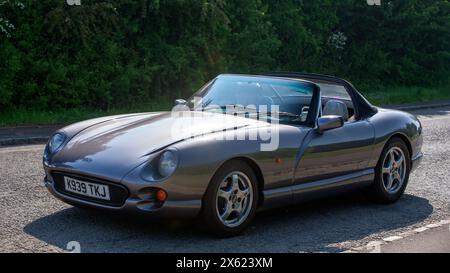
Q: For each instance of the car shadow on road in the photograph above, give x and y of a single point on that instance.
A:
(311, 227)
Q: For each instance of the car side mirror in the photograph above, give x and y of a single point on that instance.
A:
(180, 102)
(326, 123)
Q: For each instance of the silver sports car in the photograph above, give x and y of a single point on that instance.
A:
(240, 144)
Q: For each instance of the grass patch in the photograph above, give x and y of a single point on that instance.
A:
(402, 95)
(379, 96)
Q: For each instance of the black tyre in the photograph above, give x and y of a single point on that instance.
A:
(231, 199)
(392, 172)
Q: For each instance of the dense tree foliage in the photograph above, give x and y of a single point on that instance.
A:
(107, 53)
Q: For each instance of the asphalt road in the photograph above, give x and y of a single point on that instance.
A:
(33, 221)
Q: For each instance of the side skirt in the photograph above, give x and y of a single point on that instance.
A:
(317, 189)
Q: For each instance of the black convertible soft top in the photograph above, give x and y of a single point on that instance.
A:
(363, 108)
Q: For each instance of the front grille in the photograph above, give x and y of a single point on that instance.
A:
(118, 193)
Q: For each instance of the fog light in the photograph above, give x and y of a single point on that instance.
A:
(161, 195)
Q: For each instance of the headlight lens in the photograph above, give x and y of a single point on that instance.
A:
(168, 163)
(56, 142)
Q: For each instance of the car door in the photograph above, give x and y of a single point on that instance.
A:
(336, 157)
(336, 152)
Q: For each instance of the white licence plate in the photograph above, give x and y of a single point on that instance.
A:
(86, 188)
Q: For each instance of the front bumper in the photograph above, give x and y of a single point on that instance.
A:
(135, 203)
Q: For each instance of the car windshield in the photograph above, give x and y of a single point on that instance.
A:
(288, 99)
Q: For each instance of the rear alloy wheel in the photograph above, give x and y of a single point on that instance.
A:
(392, 172)
(231, 199)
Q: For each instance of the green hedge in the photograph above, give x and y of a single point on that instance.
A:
(107, 54)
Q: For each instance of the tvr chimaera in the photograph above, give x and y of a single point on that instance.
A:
(329, 139)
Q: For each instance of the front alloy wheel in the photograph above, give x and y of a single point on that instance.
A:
(234, 199)
(231, 199)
